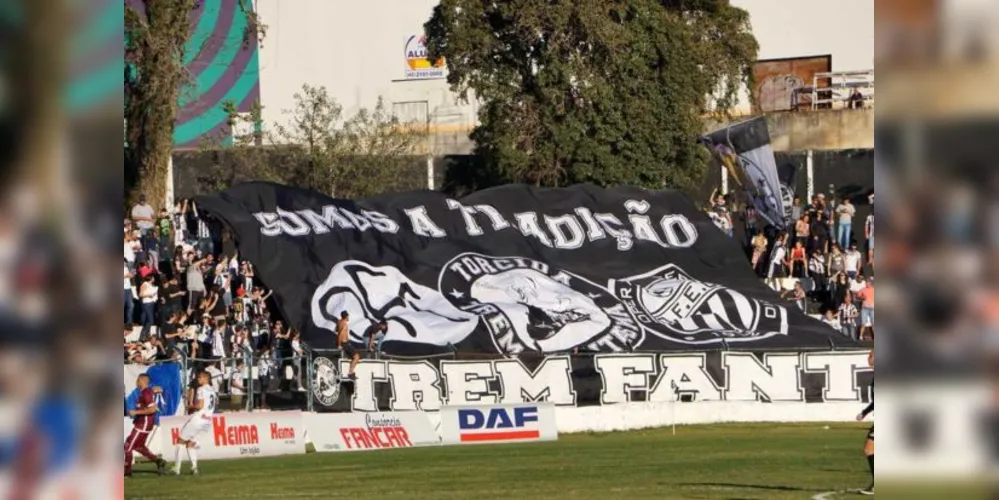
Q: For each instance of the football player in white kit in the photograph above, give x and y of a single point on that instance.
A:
(199, 422)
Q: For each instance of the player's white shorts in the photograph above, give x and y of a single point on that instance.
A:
(195, 426)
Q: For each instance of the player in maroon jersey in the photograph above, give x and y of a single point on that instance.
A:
(142, 425)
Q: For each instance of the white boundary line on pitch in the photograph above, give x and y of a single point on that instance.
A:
(826, 495)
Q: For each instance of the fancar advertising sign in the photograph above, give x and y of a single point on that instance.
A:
(370, 431)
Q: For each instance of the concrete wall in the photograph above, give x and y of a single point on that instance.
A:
(791, 131)
(817, 130)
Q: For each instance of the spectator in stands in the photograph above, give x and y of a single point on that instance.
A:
(866, 296)
(797, 210)
(759, 244)
(856, 100)
(817, 272)
(132, 247)
(819, 230)
(857, 283)
(797, 261)
(802, 229)
(142, 215)
(129, 295)
(247, 271)
(195, 281)
(869, 235)
(848, 316)
(148, 296)
(777, 267)
(851, 261)
(265, 370)
(831, 318)
(298, 354)
(844, 228)
(796, 295)
(171, 329)
(839, 290)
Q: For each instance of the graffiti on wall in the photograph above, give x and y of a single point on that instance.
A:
(221, 56)
(779, 83)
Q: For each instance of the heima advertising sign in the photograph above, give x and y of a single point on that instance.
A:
(507, 423)
(242, 434)
(370, 431)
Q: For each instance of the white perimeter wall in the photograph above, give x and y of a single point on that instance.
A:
(356, 50)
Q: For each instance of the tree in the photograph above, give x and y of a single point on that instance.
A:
(593, 91)
(156, 32)
(317, 147)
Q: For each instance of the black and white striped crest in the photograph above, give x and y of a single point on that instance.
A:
(674, 305)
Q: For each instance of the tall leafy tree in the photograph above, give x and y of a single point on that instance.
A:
(609, 92)
(317, 146)
(156, 34)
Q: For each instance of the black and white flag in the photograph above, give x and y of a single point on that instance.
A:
(744, 149)
(510, 270)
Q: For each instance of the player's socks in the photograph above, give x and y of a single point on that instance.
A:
(870, 463)
(193, 455)
(178, 460)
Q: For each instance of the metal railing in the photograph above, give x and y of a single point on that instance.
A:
(839, 87)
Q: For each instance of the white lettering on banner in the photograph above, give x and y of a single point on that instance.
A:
(239, 434)
(467, 213)
(330, 219)
(415, 385)
(367, 372)
(777, 378)
(291, 224)
(381, 222)
(840, 369)
(683, 377)
(528, 225)
(623, 237)
(594, 231)
(494, 216)
(422, 224)
(268, 223)
(468, 382)
(564, 231)
(370, 431)
(551, 381)
(567, 231)
(622, 375)
(623, 378)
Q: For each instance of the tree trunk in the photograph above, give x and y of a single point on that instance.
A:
(39, 64)
(150, 139)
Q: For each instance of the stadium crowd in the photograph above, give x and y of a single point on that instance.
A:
(823, 261)
(184, 297)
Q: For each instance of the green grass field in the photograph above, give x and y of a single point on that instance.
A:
(765, 461)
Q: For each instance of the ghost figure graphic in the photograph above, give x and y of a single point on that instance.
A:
(679, 307)
(414, 313)
(546, 314)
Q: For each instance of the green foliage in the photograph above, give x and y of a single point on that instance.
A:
(316, 147)
(599, 91)
(155, 38)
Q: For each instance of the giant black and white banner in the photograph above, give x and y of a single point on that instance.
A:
(511, 270)
(602, 379)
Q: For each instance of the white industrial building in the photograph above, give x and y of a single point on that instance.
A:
(363, 50)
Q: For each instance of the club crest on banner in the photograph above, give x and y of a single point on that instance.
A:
(326, 381)
(528, 305)
(674, 305)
